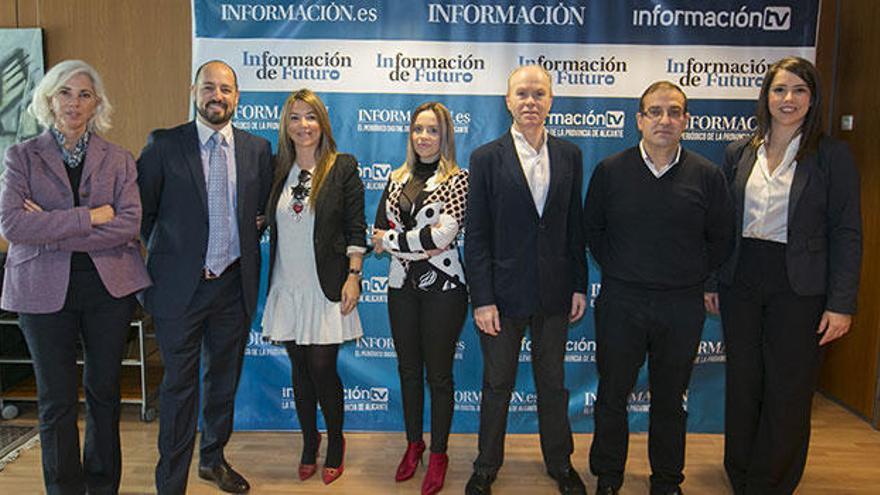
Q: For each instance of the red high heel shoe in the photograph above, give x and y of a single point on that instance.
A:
(306, 471)
(331, 474)
(411, 459)
(436, 475)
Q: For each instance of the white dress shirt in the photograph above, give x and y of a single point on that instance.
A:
(658, 171)
(535, 165)
(765, 210)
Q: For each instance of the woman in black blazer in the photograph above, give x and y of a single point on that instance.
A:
(317, 241)
(791, 283)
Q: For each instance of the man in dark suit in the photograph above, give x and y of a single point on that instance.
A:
(203, 186)
(526, 266)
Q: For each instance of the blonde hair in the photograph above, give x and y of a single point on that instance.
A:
(41, 104)
(325, 154)
(448, 166)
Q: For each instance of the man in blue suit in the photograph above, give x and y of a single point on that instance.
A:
(526, 266)
(203, 186)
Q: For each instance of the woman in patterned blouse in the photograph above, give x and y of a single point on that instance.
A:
(419, 218)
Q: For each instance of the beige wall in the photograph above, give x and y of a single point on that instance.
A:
(142, 49)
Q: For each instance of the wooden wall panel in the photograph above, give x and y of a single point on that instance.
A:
(826, 54)
(28, 13)
(8, 14)
(849, 373)
(142, 49)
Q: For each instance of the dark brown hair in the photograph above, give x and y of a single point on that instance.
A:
(811, 129)
(216, 61)
(657, 86)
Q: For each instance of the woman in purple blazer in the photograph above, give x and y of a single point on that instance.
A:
(70, 209)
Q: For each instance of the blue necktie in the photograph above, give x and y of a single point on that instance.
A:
(217, 257)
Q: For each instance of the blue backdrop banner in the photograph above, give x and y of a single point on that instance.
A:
(373, 61)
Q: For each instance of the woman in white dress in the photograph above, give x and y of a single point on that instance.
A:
(317, 239)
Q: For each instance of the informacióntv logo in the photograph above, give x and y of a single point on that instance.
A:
(580, 351)
(375, 176)
(366, 399)
(374, 289)
(587, 124)
(771, 18)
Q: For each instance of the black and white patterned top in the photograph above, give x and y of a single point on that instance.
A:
(435, 222)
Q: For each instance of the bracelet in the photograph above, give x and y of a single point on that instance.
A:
(357, 273)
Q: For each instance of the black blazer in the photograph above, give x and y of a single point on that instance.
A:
(824, 250)
(175, 219)
(515, 259)
(339, 223)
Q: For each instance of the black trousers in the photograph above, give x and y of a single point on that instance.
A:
(425, 327)
(500, 360)
(212, 333)
(772, 366)
(101, 322)
(665, 326)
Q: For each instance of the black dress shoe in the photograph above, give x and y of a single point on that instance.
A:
(225, 477)
(479, 484)
(606, 490)
(569, 482)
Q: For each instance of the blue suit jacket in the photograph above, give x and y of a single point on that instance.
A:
(519, 261)
(175, 218)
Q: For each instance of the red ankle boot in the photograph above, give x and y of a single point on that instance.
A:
(411, 459)
(436, 475)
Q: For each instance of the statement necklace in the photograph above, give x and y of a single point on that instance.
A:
(299, 194)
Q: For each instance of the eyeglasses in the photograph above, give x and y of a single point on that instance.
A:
(655, 113)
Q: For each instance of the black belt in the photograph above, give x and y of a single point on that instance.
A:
(209, 275)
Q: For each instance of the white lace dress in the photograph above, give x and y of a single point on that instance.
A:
(296, 307)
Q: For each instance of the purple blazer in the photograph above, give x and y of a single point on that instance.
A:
(41, 243)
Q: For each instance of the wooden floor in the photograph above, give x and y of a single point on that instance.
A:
(843, 460)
